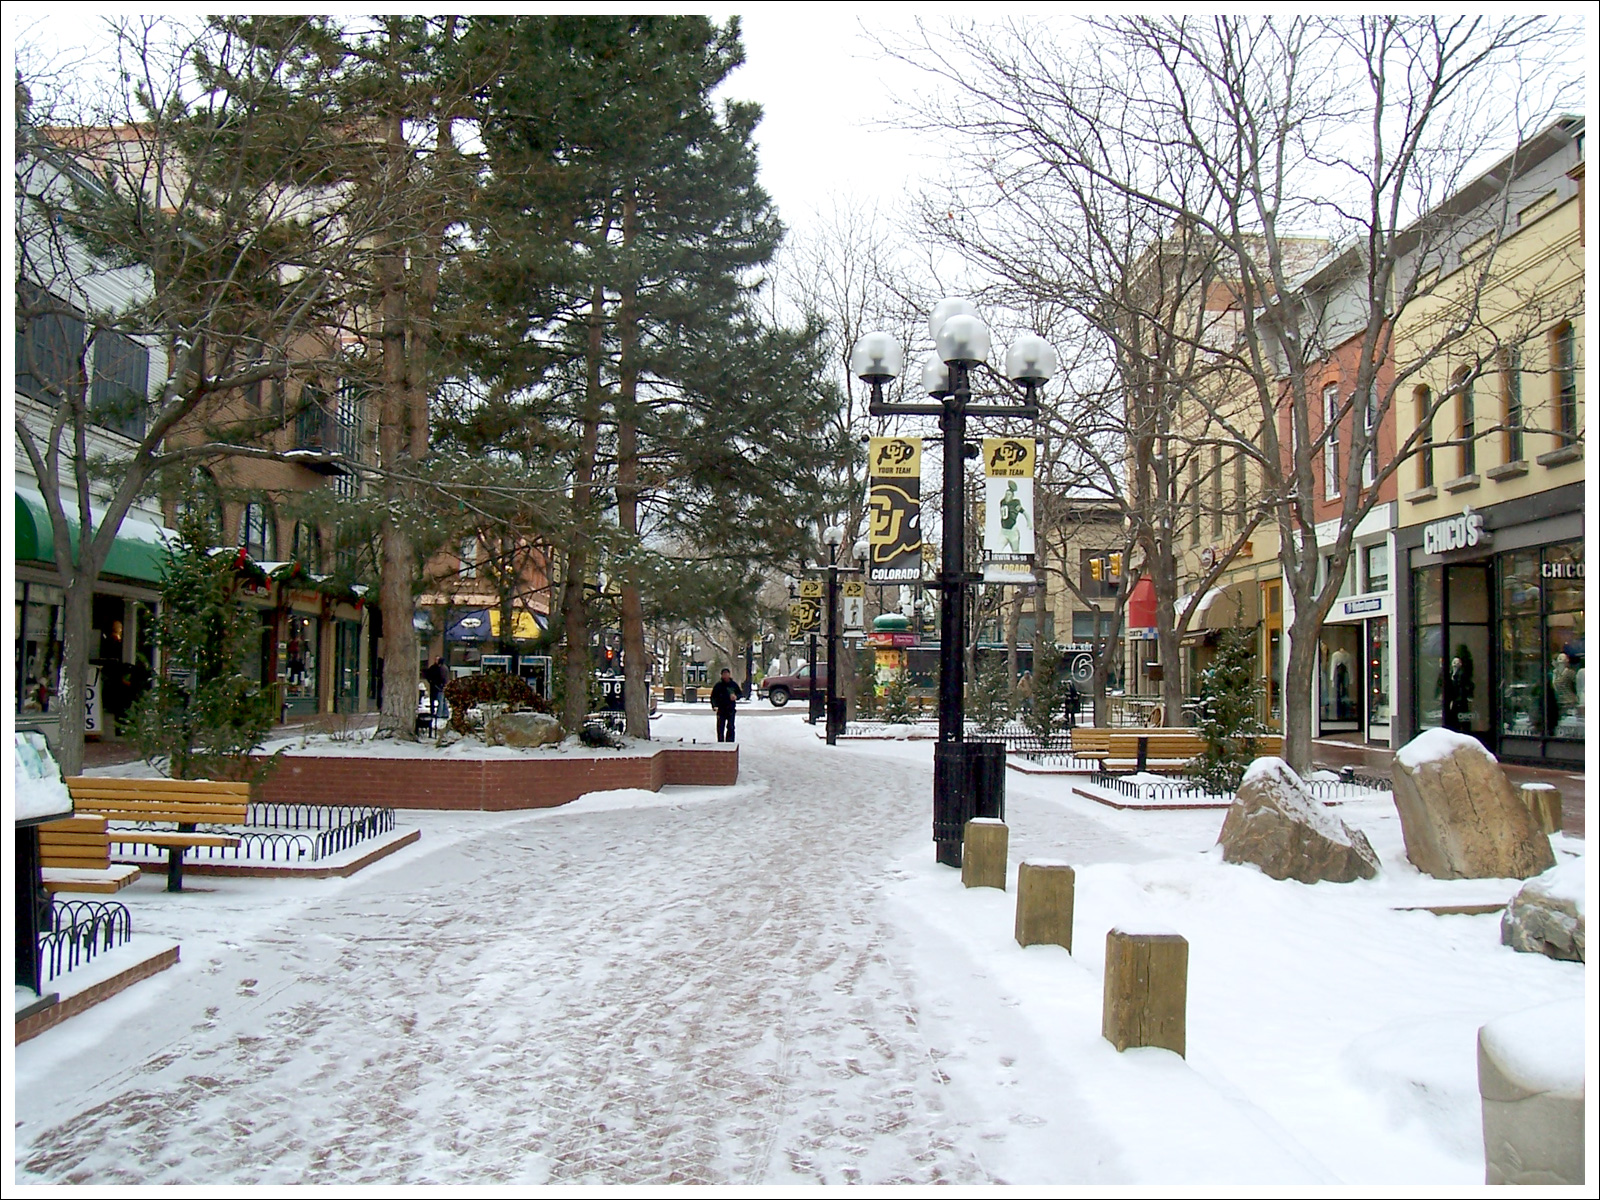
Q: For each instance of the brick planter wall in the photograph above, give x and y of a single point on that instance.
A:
(490, 784)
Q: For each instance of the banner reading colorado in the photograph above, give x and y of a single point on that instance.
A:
(894, 509)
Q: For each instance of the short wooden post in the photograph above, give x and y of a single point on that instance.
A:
(1544, 802)
(1146, 989)
(984, 843)
(1044, 903)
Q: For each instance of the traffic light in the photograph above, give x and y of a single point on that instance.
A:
(1097, 569)
(1116, 566)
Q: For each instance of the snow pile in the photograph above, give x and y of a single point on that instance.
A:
(1437, 745)
(1541, 1049)
(1562, 883)
(38, 789)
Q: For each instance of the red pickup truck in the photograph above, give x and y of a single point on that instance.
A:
(780, 689)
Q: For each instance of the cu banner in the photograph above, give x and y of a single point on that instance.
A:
(894, 509)
(805, 616)
(1008, 545)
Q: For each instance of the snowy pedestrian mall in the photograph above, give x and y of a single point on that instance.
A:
(775, 983)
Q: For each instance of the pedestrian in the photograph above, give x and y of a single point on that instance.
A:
(724, 697)
(1074, 703)
(437, 676)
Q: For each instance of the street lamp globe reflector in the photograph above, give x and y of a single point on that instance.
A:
(946, 309)
(935, 377)
(1030, 359)
(963, 339)
(877, 358)
(862, 550)
(833, 535)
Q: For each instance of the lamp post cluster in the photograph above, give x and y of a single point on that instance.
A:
(833, 709)
(968, 777)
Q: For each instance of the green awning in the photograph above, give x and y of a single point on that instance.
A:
(137, 552)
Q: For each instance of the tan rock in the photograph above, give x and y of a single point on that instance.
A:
(1459, 814)
(522, 730)
(1547, 915)
(1281, 828)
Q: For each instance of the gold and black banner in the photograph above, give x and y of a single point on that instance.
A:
(805, 617)
(894, 509)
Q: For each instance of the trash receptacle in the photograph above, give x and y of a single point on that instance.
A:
(836, 716)
(969, 780)
(691, 695)
(669, 694)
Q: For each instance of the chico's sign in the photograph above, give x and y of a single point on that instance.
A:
(1454, 533)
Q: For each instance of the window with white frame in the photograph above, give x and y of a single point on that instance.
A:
(1369, 461)
(1330, 445)
(469, 558)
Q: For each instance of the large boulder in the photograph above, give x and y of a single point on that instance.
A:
(522, 730)
(1277, 825)
(1546, 916)
(1458, 812)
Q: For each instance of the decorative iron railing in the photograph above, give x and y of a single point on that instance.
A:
(80, 929)
(277, 833)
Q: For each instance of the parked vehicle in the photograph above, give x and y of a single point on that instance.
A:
(780, 689)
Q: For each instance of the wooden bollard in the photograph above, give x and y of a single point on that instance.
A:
(1044, 903)
(1544, 802)
(984, 843)
(1146, 989)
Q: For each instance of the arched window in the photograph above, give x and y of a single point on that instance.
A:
(1423, 397)
(1467, 424)
(202, 500)
(308, 546)
(258, 531)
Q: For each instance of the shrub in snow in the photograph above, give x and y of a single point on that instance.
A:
(203, 716)
(1546, 916)
(1277, 825)
(1228, 696)
(897, 700)
(1459, 814)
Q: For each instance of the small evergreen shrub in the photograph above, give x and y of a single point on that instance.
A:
(1229, 695)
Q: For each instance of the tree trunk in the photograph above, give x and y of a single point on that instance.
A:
(634, 673)
(574, 601)
(77, 629)
(1013, 633)
(1299, 677)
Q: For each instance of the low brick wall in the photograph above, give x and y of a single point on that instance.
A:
(491, 784)
(32, 1026)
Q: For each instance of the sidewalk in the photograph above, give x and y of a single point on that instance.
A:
(1334, 753)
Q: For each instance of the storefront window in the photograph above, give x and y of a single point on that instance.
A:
(300, 660)
(1562, 576)
(38, 646)
(1378, 672)
(1522, 701)
(1341, 676)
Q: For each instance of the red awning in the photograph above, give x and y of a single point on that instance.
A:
(1142, 604)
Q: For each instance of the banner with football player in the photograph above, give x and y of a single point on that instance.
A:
(894, 509)
(1008, 542)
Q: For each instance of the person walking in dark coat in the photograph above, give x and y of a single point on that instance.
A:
(437, 676)
(724, 697)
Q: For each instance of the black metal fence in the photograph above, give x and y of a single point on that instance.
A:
(278, 833)
(80, 929)
(1180, 788)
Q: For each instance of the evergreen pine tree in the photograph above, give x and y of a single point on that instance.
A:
(203, 716)
(1049, 692)
(989, 699)
(1229, 694)
(896, 706)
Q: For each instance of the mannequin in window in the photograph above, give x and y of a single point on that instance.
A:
(1459, 715)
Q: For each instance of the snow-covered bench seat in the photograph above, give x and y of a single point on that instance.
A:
(75, 856)
(183, 803)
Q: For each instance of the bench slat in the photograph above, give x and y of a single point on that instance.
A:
(161, 787)
(160, 837)
(100, 881)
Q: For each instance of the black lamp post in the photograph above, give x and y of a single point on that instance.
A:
(834, 715)
(968, 778)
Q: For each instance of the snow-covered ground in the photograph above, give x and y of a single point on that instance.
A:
(775, 983)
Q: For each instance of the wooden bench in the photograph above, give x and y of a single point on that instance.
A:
(183, 803)
(1156, 750)
(75, 856)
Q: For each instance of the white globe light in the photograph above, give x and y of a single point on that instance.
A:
(1030, 359)
(946, 309)
(877, 358)
(833, 535)
(935, 376)
(963, 339)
